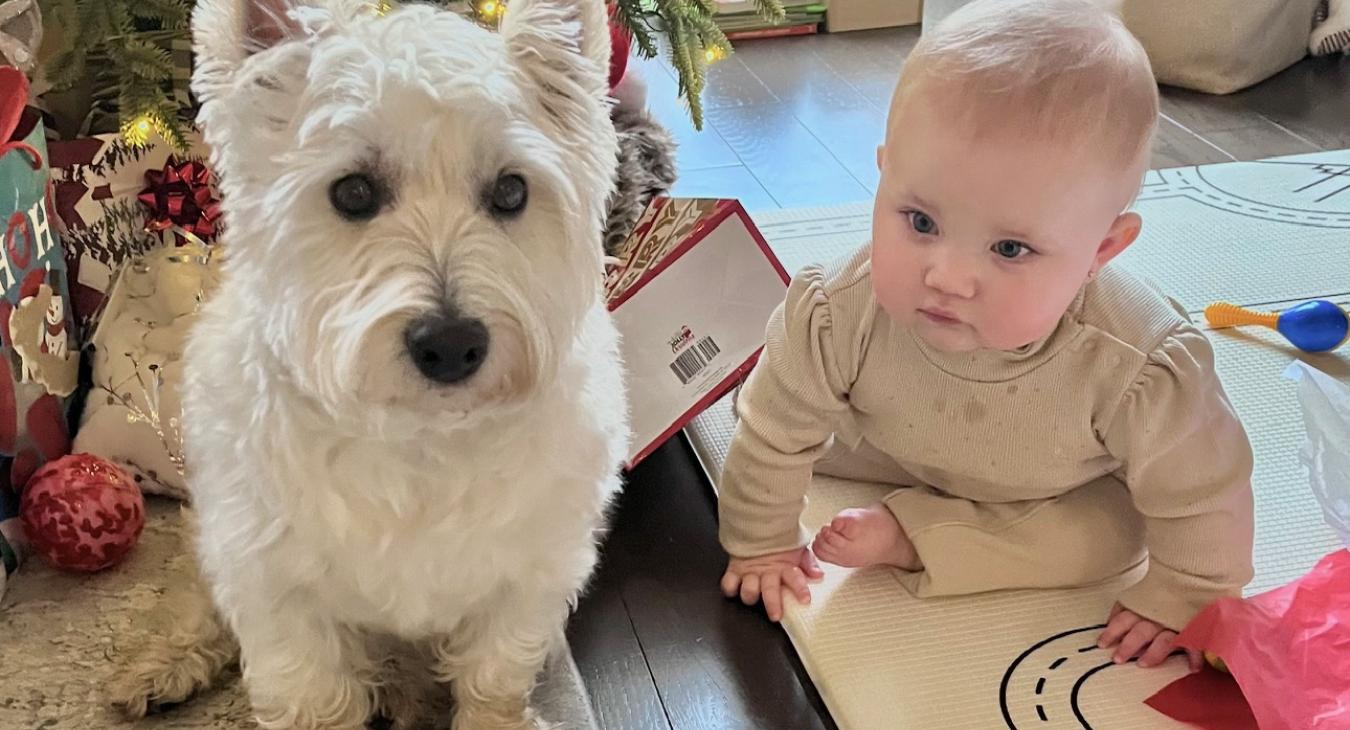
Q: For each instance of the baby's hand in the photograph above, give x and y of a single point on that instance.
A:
(1134, 632)
(768, 576)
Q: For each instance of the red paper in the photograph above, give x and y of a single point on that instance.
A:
(1209, 700)
(1288, 649)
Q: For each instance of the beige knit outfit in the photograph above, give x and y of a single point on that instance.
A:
(1051, 466)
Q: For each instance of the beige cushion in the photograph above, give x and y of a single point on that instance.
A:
(1220, 46)
(1215, 46)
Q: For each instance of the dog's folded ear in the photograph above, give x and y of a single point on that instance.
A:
(226, 32)
(561, 43)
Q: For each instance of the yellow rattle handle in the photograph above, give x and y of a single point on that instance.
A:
(1224, 314)
(1214, 661)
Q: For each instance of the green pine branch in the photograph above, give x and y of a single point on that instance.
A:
(687, 29)
(130, 40)
(121, 48)
(169, 14)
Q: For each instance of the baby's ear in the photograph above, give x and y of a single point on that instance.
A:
(557, 40)
(1124, 231)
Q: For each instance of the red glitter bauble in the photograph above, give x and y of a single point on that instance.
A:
(82, 513)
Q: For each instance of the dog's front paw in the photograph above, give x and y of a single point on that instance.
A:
(488, 716)
(400, 706)
(154, 681)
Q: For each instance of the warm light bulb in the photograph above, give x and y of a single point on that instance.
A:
(488, 8)
(137, 131)
(714, 54)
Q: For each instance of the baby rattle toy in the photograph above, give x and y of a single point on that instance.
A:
(1316, 326)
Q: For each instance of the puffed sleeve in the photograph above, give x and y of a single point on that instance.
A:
(787, 410)
(1188, 464)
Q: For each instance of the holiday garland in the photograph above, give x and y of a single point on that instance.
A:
(123, 49)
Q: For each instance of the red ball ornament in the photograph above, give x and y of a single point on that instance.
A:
(82, 513)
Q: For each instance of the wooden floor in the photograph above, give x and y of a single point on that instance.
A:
(791, 123)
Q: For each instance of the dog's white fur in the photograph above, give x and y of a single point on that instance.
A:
(341, 496)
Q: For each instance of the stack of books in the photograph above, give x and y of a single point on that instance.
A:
(740, 20)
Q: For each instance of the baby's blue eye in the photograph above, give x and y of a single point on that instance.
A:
(922, 223)
(1010, 249)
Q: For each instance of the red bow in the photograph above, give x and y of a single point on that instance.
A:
(181, 195)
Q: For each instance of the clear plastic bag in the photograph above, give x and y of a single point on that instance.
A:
(1326, 416)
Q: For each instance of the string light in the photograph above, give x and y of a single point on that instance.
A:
(489, 8)
(714, 54)
(137, 131)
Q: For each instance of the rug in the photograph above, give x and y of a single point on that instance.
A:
(1268, 234)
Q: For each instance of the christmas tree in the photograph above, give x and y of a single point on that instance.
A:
(121, 50)
(687, 28)
(119, 53)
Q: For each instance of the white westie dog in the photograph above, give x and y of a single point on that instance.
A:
(404, 413)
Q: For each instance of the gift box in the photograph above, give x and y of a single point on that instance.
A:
(691, 296)
(117, 200)
(39, 357)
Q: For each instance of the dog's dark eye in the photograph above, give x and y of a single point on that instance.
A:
(355, 197)
(509, 194)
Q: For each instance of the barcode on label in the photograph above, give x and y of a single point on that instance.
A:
(692, 361)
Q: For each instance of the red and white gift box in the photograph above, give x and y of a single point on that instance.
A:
(691, 299)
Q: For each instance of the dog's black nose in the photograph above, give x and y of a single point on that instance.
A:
(447, 348)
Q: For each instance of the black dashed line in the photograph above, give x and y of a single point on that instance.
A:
(1040, 685)
(1040, 711)
(1058, 662)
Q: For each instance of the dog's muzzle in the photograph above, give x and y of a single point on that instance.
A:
(447, 347)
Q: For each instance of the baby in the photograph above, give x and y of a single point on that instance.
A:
(1047, 420)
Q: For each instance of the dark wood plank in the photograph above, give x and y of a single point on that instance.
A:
(1202, 113)
(697, 149)
(610, 660)
(785, 157)
(869, 61)
(716, 663)
(731, 84)
(1310, 99)
(1177, 146)
(851, 133)
(788, 68)
(724, 182)
(843, 120)
(1262, 140)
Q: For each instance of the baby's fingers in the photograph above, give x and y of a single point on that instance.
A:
(1119, 625)
(750, 589)
(1159, 650)
(1139, 637)
(796, 580)
(1196, 658)
(771, 590)
(731, 583)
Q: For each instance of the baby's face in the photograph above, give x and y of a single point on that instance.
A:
(983, 242)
